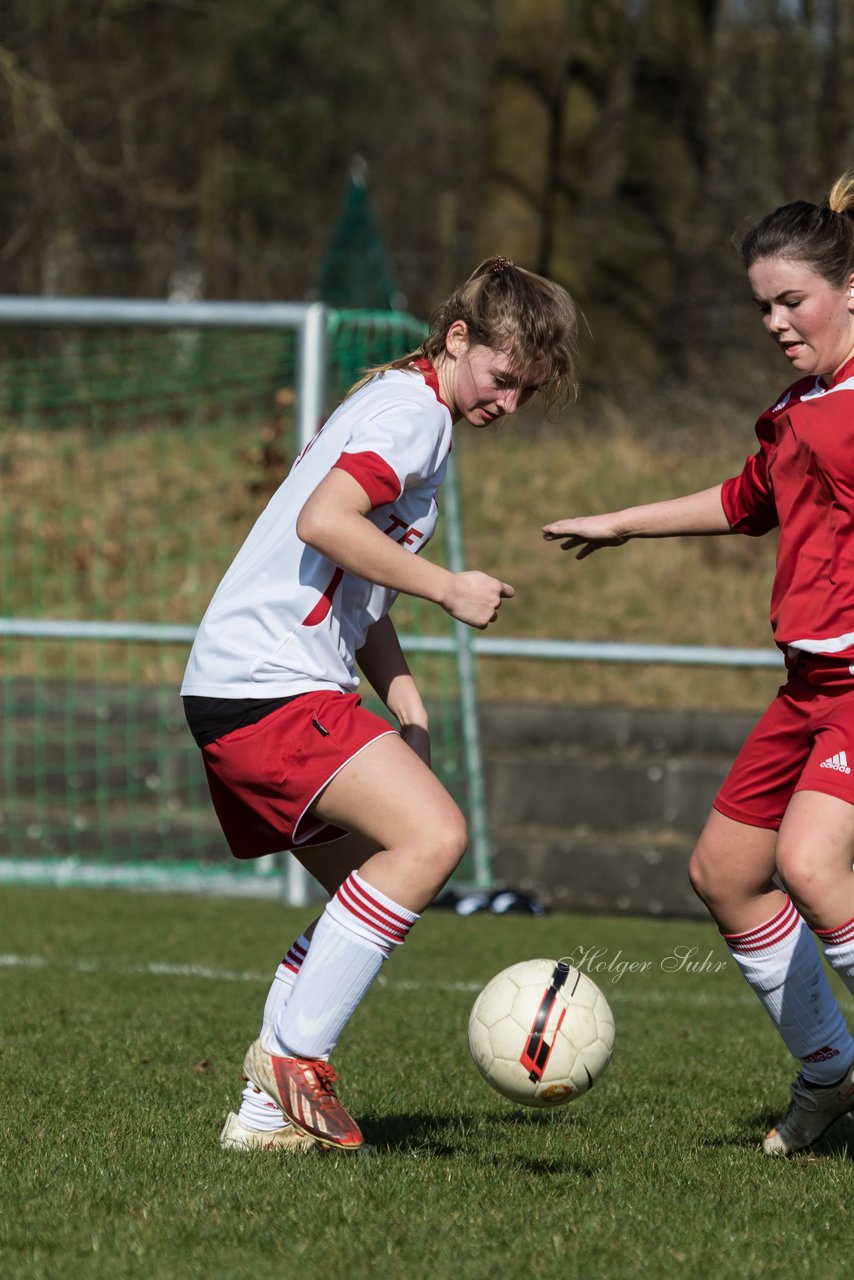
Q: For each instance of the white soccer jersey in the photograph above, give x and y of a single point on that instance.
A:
(285, 619)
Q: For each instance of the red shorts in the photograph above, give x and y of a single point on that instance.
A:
(264, 777)
(804, 742)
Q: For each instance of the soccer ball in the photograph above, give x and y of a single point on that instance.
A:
(541, 1033)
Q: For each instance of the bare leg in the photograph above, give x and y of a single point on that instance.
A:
(330, 864)
(732, 871)
(414, 836)
(815, 851)
(388, 796)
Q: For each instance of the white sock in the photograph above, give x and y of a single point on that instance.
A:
(257, 1109)
(356, 932)
(838, 946)
(781, 963)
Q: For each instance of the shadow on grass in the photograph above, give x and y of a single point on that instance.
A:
(428, 1133)
(404, 1132)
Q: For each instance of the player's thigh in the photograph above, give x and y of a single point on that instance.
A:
(816, 843)
(732, 860)
(387, 795)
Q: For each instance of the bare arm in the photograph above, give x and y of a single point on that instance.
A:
(696, 513)
(333, 522)
(383, 663)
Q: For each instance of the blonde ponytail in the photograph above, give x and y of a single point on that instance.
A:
(841, 195)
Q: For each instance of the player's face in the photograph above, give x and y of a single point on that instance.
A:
(479, 386)
(810, 319)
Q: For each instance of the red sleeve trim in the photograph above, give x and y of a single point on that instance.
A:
(373, 473)
(728, 497)
(747, 502)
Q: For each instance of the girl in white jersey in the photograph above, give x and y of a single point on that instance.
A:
(292, 758)
(786, 808)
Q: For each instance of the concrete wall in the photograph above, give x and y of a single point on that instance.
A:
(598, 809)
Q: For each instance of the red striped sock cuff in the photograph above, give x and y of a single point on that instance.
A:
(297, 953)
(386, 920)
(836, 937)
(768, 935)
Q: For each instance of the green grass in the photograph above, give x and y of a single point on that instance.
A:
(124, 1019)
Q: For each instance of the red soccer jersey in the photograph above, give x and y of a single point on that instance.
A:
(802, 479)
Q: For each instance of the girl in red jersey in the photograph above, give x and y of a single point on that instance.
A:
(292, 758)
(787, 805)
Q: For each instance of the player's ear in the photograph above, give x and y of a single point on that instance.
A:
(851, 292)
(457, 338)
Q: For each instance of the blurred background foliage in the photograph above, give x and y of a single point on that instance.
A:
(205, 148)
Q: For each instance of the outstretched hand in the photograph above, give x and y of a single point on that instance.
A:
(585, 533)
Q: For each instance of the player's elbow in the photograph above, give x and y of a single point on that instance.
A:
(314, 527)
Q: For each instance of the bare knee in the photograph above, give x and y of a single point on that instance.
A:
(415, 869)
(707, 867)
(806, 880)
(703, 875)
(731, 866)
(447, 844)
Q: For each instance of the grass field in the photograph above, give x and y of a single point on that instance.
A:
(124, 1019)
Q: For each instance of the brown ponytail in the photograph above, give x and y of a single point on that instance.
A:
(515, 311)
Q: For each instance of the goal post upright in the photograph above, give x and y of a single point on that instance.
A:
(57, 404)
(307, 319)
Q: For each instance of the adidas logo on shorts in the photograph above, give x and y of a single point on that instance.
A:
(838, 762)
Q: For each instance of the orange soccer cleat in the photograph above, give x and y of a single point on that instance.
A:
(305, 1090)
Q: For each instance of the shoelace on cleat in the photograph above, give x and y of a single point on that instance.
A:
(327, 1079)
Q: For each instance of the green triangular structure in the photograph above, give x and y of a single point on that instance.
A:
(356, 271)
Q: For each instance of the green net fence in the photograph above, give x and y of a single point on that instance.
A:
(132, 465)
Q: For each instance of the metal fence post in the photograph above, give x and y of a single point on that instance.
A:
(311, 406)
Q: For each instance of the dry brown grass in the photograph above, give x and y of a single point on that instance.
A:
(139, 524)
(690, 591)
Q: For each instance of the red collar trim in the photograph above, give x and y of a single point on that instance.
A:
(845, 371)
(431, 377)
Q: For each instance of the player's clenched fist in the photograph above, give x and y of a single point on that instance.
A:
(475, 598)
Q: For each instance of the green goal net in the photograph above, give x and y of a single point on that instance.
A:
(133, 462)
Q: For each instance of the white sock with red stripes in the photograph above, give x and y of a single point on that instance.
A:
(356, 932)
(838, 946)
(782, 964)
(257, 1109)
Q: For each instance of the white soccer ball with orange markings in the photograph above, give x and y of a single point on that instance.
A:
(541, 1033)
